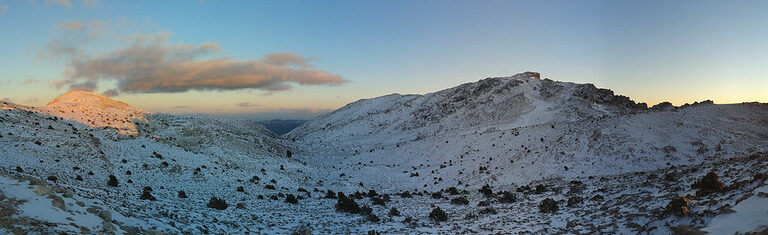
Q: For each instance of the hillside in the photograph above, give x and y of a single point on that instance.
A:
(515, 154)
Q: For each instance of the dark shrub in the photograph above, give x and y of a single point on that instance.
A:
(302, 190)
(394, 212)
(291, 199)
(487, 210)
(217, 203)
(146, 194)
(365, 209)
(373, 218)
(678, 206)
(671, 176)
(507, 197)
(348, 205)
(710, 183)
(597, 197)
(330, 194)
(486, 190)
(453, 191)
(78, 177)
(460, 201)
(548, 206)
(540, 189)
(240, 205)
(112, 182)
(240, 189)
(406, 194)
(288, 153)
(378, 201)
(254, 179)
(53, 178)
(574, 201)
(260, 197)
(372, 193)
(269, 186)
(438, 215)
(182, 194)
(437, 195)
(484, 203)
(18, 169)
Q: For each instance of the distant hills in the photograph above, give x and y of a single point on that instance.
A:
(280, 126)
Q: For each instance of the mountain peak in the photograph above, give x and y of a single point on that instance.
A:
(95, 110)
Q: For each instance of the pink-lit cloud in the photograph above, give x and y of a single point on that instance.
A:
(151, 63)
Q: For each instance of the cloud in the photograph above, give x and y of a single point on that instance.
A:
(90, 3)
(247, 104)
(71, 38)
(64, 3)
(3, 9)
(30, 81)
(182, 107)
(152, 64)
(6, 99)
(110, 93)
(84, 86)
(287, 59)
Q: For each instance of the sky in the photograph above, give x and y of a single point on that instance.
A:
(298, 59)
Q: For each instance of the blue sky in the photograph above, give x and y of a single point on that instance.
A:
(652, 51)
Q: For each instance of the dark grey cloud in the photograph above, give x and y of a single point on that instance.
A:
(182, 107)
(84, 86)
(110, 93)
(247, 104)
(152, 64)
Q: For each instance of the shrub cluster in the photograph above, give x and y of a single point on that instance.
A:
(217, 203)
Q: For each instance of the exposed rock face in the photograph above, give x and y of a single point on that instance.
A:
(605, 96)
(663, 106)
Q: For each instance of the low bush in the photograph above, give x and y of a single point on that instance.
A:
(548, 205)
(217, 203)
(460, 201)
(438, 215)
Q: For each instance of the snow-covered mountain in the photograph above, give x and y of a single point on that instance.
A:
(515, 154)
(522, 128)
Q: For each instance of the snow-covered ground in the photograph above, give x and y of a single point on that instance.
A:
(609, 164)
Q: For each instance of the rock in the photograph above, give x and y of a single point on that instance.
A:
(302, 229)
(43, 190)
(105, 215)
(679, 206)
(57, 201)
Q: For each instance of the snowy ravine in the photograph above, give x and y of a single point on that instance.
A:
(515, 154)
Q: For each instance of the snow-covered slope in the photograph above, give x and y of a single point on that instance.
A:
(517, 101)
(556, 157)
(518, 129)
(96, 111)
